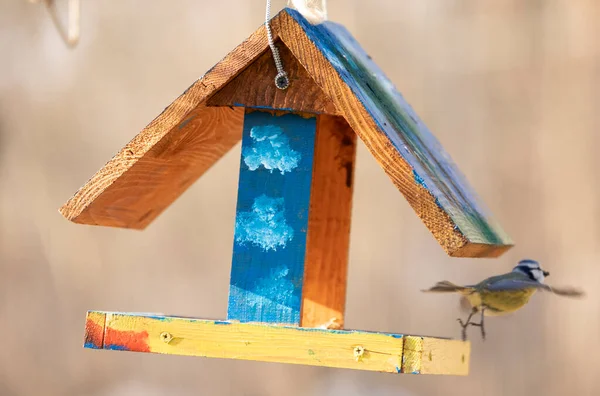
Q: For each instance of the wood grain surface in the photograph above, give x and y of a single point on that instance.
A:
(150, 181)
(326, 264)
(404, 147)
(112, 196)
(255, 87)
(350, 349)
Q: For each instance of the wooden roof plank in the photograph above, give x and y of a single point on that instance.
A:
(143, 179)
(396, 137)
(133, 197)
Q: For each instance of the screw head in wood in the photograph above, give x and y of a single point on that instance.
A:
(359, 351)
(166, 337)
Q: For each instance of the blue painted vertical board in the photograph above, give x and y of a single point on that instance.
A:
(272, 218)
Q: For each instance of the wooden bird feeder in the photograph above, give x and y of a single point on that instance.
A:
(290, 255)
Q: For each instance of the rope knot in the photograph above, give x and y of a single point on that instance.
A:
(315, 11)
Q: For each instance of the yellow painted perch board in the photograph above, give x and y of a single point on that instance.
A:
(392, 353)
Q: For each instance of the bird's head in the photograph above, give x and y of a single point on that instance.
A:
(532, 269)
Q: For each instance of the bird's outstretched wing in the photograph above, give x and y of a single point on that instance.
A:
(519, 284)
(567, 291)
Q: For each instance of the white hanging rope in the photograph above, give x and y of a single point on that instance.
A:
(70, 33)
(315, 11)
(281, 80)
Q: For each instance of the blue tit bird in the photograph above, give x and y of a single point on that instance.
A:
(502, 294)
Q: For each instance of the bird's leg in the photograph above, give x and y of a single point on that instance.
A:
(466, 324)
(481, 324)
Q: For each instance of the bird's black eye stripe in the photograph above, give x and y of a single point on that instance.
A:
(528, 272)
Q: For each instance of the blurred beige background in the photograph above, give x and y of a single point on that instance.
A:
(511, 88)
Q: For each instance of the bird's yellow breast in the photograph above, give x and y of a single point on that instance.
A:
(500, 302)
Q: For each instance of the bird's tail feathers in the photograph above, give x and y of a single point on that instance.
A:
(446, 287)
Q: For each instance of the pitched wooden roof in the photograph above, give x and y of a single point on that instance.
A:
(330, 73)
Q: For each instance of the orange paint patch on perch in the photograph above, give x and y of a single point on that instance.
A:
(134, 341)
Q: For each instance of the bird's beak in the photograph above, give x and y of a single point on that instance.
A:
(546, 273)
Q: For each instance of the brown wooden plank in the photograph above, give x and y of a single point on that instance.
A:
(122, 194)
(397, 168)
(155, 179)
(328, 239)
(255, 87)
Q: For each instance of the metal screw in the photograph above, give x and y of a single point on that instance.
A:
(359, 351)
(166, 337)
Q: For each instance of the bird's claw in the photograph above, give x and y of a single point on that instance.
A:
(465, 325)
